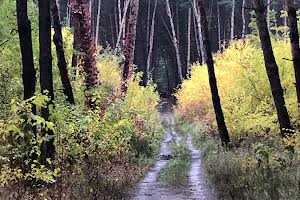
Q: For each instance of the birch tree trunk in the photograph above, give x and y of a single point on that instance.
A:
(148, 25)
(199, 27)
(196, 37)
(225, 139)
(272, 68)
(151, 41)
(98, 22)
(188, 60)
(61, 59)
(127, 66)
(174, 40)
(294, 38)
(232, 23)
(122, 24)
(219, 26)
(269, 14)
(244, 20)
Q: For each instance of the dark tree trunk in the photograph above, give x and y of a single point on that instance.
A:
(212, 78)
(85, 43)
(294, 37)
(272, 68)
(46, 76)
(61, 60)
(127, 66)
(24, 30)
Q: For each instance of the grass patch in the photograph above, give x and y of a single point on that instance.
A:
(248, 169)
(176, 172)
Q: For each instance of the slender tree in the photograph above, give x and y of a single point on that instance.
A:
(127, 66)
(46, 76)
(225, 139)
(244, 20)
(98, 22)
(151, 41)
(174, 41)
(61, 59)
(198, 14)
(28, 70)
(188, 59)
(272, 68)
(294, 37)
(85, 44)
(232, 22)
(122, 23)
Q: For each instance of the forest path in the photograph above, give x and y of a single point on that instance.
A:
(151, 188)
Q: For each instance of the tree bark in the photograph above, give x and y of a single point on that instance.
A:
(151, 41)
(28, 70)
(122, 24)
(188, 60)
(294, 38)
(98, 22)
(174, 40)
(199, 26)
(244, 20)
(225, 139)
(272, 68)
(232, 23)
(85, 43)
(61, 60)
(219, 26)
(46, 76)
(127, 66)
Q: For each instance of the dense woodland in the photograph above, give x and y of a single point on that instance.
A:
(149, 99)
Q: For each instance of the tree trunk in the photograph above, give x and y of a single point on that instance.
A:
(127, 66)
(219, 26)
(269, 14)
(244, 20)
(188, 59)
(294, 38)
(85, 44)
(232, 23)
(98, 22)
(148, 25)
(199, 26)
(225, 139)
(61, 60)
(174, 40)
(196, 37)
(28, 70)
(46, 76)
(151, 41)
(122, 24)
(272, 68)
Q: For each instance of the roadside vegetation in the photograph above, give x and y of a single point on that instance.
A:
(257, 163)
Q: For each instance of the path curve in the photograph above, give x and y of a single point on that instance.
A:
(150, 188)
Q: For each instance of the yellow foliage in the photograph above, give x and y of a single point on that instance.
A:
(243, 87)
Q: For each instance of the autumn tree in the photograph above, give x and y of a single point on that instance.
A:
(127, 66)
(85, 44)
(272, 68)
